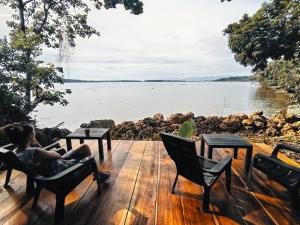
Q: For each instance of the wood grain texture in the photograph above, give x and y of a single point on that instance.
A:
(139, 192)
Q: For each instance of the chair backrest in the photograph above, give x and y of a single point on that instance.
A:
(12, 161)
(183, 152)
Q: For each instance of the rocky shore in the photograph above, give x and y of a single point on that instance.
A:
(255, 127)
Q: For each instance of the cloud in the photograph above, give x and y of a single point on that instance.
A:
(172, 38)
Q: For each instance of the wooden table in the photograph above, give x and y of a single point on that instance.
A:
(95, 133)
(227, 141)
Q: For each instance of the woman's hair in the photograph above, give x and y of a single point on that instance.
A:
(18, 133)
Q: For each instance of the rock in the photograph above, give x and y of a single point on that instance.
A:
(150, 122)
(99, 124)
(257, 113)
(47, 136)
(259, 125)
(144, 134)
(258, 118)
(296, 125)
(292, 118)
(189, 116)
(271, 132)
(177, 118)
(199, 119)
(158, 117)
(247, 122)
(231, 123)
(287, 128)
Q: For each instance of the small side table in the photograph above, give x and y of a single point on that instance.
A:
(227, 141)
(95, 133)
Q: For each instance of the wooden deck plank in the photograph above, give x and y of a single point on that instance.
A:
(86, 211)
(143, 203)
(139, 192)
(73, 198)
(21, 213)
(241, 202)
(116, 208)
(169, 206)
(263, 191)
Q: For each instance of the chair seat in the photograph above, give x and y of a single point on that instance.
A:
(206, 163)
(283, 175)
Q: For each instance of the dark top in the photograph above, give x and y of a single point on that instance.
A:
(44, 167)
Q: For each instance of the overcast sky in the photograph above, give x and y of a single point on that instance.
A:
(171, 39)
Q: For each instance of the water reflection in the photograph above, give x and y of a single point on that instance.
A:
(268, 99)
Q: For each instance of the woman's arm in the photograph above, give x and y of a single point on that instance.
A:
(42, 154)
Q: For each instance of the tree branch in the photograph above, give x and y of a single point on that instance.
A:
(21, 14)
(46, 11)
(26, 2)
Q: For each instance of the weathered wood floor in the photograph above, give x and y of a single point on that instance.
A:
(138, 192)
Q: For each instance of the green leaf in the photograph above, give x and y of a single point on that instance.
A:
(186, 129)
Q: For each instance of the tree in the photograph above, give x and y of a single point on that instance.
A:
(26, 81)
(273, 32)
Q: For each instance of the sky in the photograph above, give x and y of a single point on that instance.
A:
(172, 39)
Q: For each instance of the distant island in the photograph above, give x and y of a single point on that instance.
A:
(235, 79)
(204, 79)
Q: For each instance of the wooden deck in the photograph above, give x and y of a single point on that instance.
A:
(138, 192)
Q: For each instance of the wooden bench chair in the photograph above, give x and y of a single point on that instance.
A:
(278, 170)
(195, 168)
(60, 184)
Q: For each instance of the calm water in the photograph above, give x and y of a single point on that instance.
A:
(133, 101)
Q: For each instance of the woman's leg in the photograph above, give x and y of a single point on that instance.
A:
(79, 152)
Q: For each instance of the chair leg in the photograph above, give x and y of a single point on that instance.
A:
(249, 174)
(36, 195)
(95, 172)
(228, 178)
(205, 207)
(235, 153)
(7, 179)
(294, 198)
(29, 186)
(59, 208)
(175, 181)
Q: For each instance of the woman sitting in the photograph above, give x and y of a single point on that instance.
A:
(46, 163)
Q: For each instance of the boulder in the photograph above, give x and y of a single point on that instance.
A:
(257, 113)
(177, 118)
(99, 124)
(259, 125)
(247, 122)
(150, 122)
(158, 117)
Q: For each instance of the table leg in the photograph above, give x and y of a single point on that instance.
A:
(81, 140)
(69, 144)
(101, 154)
(248, 159)
(210, 152)
(108, 140)
(235, 153)
(202, 147)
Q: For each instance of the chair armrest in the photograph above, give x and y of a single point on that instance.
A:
(220, 167)
(9, 146)
(284, 146)
(276, 161)
(51, 146)
(67, 172)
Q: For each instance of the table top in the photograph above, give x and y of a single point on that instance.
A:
(225, 140)
(94, 133)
